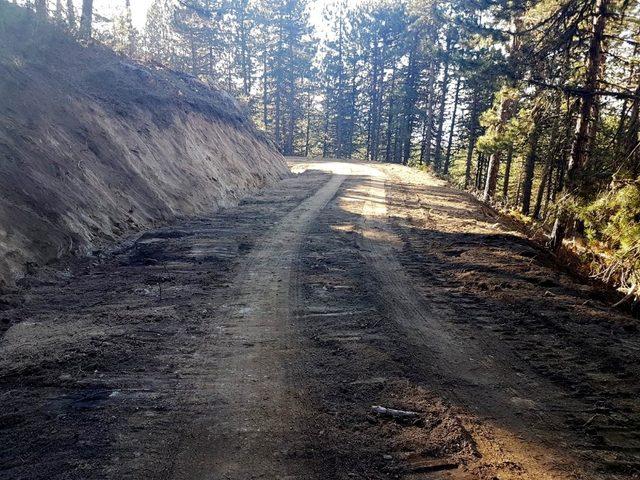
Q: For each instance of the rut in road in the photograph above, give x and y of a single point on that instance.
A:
(471, 371)
(247, 436)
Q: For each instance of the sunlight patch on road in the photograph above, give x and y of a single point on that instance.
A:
(335, 167)
(343, 228)
(379, 235)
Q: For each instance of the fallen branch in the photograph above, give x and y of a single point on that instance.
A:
(632, 293)
(433, 466)
(393, 413)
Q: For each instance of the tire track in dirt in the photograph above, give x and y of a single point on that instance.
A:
(469, 370)
(252, 423)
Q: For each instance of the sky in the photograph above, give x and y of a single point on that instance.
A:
(108, 8)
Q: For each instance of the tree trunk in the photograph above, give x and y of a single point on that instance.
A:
(194, 57)
(410, 100)
(480, 170)
(529, 167)
(307, 132)
(339, 123)
(473, 137)
(630, 139)
(325, 126)
(372, 90)
(86, 19)
(388, 152)
(375, 138)
(352, 114)
(277, 119)
(245, 58)
(506, 107)
(71, 15)
(492, 176)
(131, 36)
(422, 142)
(437, 163)
(507, 175)
(579, 153)
(278, 89)
(265, 93)
(427, 137)
(447, 160)
(41, 8)
(544, 179)
(545, 183)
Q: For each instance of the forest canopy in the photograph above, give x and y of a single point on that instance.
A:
(534, 105)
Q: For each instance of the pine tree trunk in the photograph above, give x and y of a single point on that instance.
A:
(325, 127)
(245, 58)
(529, 167)
(579, 152)
(473, 137)
(373, 95)
(388, 151)
(447, 160)
(131, 37)
(41, 8)
(507, 175)
(278, 89)
(410, 99)
(375, 137)
(427, 137)
(71, 15)
(480, 170)
(86, 19)
(193, 57)
(291, 123)
(422, 142)
(265, 92)
(437, 163)
(519, 189)
(631, 141)
(307, 133)
(544, 179)
(491, 184)
(339, 123)
(506, 106)
(278, 119)
(352, 114)
(492, 176)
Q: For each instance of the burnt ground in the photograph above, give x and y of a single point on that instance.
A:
(252, 343)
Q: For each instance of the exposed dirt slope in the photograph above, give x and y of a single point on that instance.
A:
(93, 145)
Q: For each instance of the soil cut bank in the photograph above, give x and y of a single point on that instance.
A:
(93, 146)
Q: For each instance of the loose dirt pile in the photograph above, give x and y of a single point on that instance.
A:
(93, 145)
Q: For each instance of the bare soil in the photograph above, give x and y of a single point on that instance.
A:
(252, 343)
(94, 146)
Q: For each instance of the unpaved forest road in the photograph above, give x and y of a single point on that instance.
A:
(252, 344)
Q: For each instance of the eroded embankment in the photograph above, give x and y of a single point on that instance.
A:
(93, 146)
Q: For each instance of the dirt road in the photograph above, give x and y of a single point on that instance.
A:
(252, 344)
